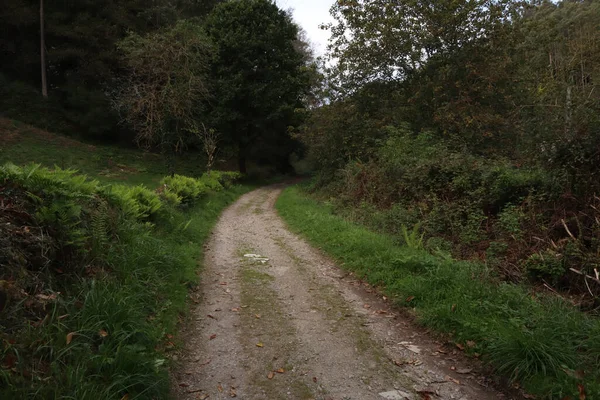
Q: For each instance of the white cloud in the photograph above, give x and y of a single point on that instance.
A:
(310, 14)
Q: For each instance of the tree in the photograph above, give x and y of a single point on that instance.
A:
(82, 61)
(210, 142)
(163, 94)
(383, 40)
(260, 79)
(43, 51)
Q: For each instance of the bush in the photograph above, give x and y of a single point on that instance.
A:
(225, 178)
(545, 265)
(212, 182)
(137, 201)
(184, 187)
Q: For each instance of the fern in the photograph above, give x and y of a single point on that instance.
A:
(413, 239)
(99, 227)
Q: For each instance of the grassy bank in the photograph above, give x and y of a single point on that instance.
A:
(22, 144)
(95, 279)
(537, 340)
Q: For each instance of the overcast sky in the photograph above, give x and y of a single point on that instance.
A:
(310, 14)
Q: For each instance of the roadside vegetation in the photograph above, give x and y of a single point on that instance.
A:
(466, 134)
(535, 339)
(95, 279)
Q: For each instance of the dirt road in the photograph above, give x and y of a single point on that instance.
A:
(278, 320)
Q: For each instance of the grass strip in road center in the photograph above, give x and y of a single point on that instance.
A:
(540, 341)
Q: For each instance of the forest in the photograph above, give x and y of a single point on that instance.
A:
(160, 74)
(469, 130)
(476, 123)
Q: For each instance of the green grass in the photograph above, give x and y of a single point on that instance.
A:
(123, 319)
(23, 144)
(542, 342)
(109, 331)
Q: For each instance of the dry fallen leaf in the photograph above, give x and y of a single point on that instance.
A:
(203, 396)
(236, 309)
(410, 298)
(314, 379)
(450, 379)
(271, 375)
(232, 392)
(366, 306)
(220, 388)
(211, 316)
(425, 394)
(280, 371)
(460, 346)
(257, 316)
(471, 343)
(453, 307)
(259, 345)
(103, 333)
(126, 397)
(464, 370)
(70, 337)
(212, 336)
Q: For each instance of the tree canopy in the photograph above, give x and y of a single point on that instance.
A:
(259, 76)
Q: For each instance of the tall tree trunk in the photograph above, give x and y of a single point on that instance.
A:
(569, 114)
(43, 51)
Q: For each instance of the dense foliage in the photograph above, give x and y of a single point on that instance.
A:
(260, 78)
(471, 128)
(119, 71)
(537, 340)
(92, 282)
(478, 121)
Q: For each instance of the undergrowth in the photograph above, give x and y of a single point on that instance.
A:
(526, 222)
(94, 281)
(537, 340)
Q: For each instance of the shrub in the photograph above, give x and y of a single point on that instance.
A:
(170, 198)
(226, 178)
(509, 220)
(56, 209)
(212, 182)
(545, 265)
(186, 188)
(137, 201)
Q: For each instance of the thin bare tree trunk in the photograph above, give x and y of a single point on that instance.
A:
(569, 114)
(43, 51)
